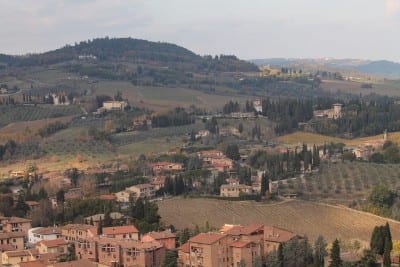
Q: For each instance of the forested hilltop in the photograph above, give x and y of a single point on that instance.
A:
(134, 51)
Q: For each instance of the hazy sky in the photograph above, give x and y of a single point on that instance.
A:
(368, 29)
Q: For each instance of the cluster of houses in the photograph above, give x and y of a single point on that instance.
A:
(233, 245)
(24, 246)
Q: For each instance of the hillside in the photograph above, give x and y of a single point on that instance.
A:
(112, 50)
(306, 218)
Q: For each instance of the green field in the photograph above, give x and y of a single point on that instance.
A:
(345, 181)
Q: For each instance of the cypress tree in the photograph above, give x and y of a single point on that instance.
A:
(336, 261)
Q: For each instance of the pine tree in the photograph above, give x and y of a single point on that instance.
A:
(100, 227)
(336, 261)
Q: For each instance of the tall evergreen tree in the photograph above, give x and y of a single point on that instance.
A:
(280, 256)
(336, 261)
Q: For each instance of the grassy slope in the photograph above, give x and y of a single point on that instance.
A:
(318, 139)
(306, 218)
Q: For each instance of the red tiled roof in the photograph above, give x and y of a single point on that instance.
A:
(278, 235)
(161, 235)
(118, 230)
(33, 264)
(20, 253)
(54, 243)
(207, 238)
(245, 230)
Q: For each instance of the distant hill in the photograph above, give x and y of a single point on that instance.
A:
(132, 51)
(382, 68)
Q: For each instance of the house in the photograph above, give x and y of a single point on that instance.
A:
(114, 105)
(158, 182)
(163, 166)
(121, 232)
(202, 134)
(142, 190)
(109, 197)
(206, 249)
(334, 113)
(125, 196)
(43, 233)
(13, 258)
(74, 232)
(115, 217)
(257, 104)
(244, 251)
(14, 224)
(361, 152)
(235, 190)
(167, 238)
(273, 236)
(124, 252)
(52, 246)
(15, 239)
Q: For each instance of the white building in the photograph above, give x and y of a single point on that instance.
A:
(257, 104)
(115, 105)
(43, 233)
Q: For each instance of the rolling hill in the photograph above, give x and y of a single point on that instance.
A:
(305, 218)
(119, 50)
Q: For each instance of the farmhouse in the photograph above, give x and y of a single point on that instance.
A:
(234, 190)
(43, 233)
(142, 190)
(159, 167)
(334, 113)
(114, 105)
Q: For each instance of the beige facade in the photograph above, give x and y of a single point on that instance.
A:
(74, 232)
(15, 239)
(13, 258)
(143, 190)
(115, 105)
(234, 190)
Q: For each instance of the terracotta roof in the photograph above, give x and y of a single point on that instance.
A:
(75, 226)
(53, 243)
(185, 248)
(47, 231)
(77, 263)
(207, 238)
(240, 244)
(118, 230)
(275, 234)
(20, 253)
(161, 235)
(245, 230)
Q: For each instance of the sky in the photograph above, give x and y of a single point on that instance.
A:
(365, 29)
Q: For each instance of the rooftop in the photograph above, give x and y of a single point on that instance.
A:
(275, 234)
(53, 243)
(207, 238)
(118, 230)
(161, 235)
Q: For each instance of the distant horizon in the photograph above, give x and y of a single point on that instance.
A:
(246, 59)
